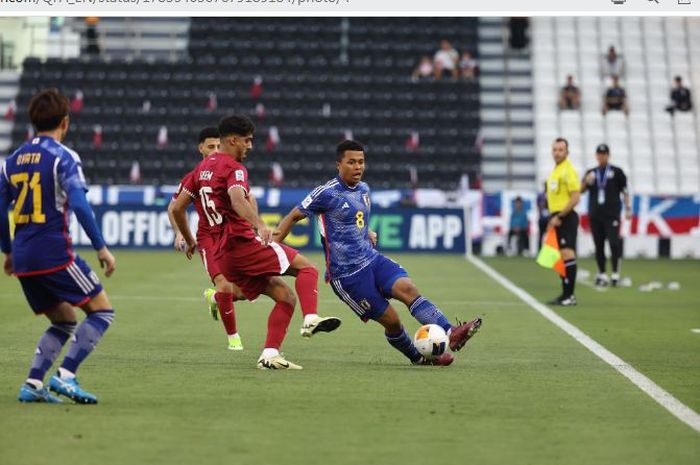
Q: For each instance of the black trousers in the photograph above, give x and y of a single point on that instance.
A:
(606, 228)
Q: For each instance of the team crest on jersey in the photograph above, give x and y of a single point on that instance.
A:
(240, 176)
(365, 197)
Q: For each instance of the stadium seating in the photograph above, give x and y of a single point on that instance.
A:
(508, 158)
(659, 152)
(321, 77)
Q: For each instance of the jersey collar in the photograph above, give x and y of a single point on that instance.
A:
(342, 183)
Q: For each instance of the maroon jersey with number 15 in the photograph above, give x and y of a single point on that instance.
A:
(209, 185)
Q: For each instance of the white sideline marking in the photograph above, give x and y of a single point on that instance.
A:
(681, 411)
(696, 330)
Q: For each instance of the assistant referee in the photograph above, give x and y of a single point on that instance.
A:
(563, 194)
(606, 184)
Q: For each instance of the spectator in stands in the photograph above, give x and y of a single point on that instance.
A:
(93, 46)
(613, 64)
(680, 96)
(424, 71)
(468, 66)
(445, 60)
(518, 35)
(570, 95)
(519, 226)
(615, 97)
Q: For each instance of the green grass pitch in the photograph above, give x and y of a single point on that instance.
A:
(522, 392)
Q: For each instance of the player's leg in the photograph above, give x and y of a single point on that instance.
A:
(306, 285)
(99, 316)
(224, 295)
(83, 288)
(612, 232)
(277, 324)
(392, 279)
(360, 293)
(399, 339)
(598, 232)
(63, 322)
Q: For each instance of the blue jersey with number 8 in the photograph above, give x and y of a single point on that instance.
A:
(36, 179)
(343, 219)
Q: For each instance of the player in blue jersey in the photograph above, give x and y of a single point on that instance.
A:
(43, 182)
(360, 276)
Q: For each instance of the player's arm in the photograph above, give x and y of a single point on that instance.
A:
(5, 242)
(287, 223)
(243, 208)
(254, 203)
(179, 211)
(179, 238)
(372, 237)
(79, 204)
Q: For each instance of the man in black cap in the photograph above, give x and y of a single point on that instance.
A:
(605, 184)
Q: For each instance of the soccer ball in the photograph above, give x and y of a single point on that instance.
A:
(431, 341)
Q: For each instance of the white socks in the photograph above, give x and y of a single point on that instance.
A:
(269, 353)
(65, 374)
(308, 319)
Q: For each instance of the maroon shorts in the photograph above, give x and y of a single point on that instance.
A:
(210, 254)
(249, 264)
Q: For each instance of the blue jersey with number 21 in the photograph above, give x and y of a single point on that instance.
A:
(37, 178)
(343, 216)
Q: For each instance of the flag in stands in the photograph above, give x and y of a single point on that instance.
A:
(135, 173)
(260, 111)
(273, 139)
(550, 256)
(276, 174)
(11, 110)
(162, 137)
(212, 103)
(76, 104)
(97, 136)
(413, 142)
(256, 89)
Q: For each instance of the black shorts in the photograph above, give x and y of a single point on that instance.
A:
(605, 227)
(567, 232)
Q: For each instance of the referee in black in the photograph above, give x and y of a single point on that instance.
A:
(605, 185)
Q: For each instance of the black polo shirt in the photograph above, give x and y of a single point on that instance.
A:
(612, 181)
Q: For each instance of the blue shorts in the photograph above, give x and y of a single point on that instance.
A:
(366, 292)
(76, 284)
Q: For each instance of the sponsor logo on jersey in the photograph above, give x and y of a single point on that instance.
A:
(307, 201)
(345, 205)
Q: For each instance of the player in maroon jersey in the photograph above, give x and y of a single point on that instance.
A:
(207, 237)
(247, 256)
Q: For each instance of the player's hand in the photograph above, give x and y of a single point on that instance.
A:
(265, 235)
(590, 178)
(107, 261)
(7, 266)
(372, 238)
(180, 243)
(554, 222)
(190, 249)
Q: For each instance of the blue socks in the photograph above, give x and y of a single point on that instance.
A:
(402, 342)
(86, 338)
(48, 348)
(427, 313)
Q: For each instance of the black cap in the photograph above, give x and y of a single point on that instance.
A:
(602, 148)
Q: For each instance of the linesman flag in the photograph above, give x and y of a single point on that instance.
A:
(550, 256)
